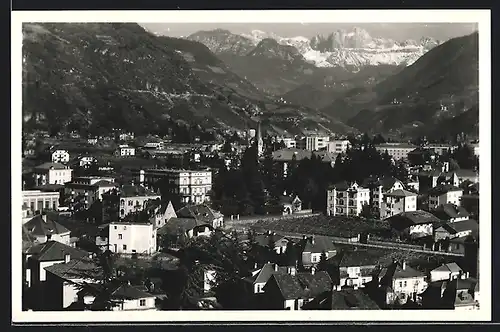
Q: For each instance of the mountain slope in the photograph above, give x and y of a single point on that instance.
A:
(441, 84)
(97, 77)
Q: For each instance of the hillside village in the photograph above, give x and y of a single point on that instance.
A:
(248, 220)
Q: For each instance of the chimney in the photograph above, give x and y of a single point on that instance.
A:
(44, 217)
(255, 266)
(404, 265)
(292, 271)
(312, 239)
(67, 258)
(313, 270)
(276, 267)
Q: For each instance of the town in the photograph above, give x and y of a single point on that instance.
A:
(205, 219)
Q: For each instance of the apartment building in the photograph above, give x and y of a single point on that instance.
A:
(37, 200)
(347, 199)
(397, 151)
(314, 143)
(125, 151)
(133, 198)
(128, 238)
(444, 194)
(192, 186)
(338, 146)
(60, 156)
(397, 201)
(52, 173)
(83, 191)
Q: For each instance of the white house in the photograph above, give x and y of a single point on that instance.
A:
(405, 283)
(346, 199)
(84, 191)
(415, 224)
(60, 156)
(398, 201)
(125, 150)
(135, 198)
(396, 150)
(52, 173)
(128, 238)
(44, 228)
(338, 146)
(314, 143)
(125, 296)
(450, 271)
(356, 268)
(381, 187)
(444, 194)
(162, 212)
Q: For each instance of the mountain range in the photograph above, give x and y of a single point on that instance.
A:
(117, 75)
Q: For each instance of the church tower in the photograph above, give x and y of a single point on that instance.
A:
(260, 142)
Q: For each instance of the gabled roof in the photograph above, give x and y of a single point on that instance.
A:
(263, 239)
(387, 182)
(136, 190)
(400, 193)
(463, 225)
(128, 292)
(266, 272)
(201, 212)
(179, 226)
(450, 211)
(302, 285)
(47, 166)
(443, 189)
(360, 257)
(450, 267)
(321, 243)
(54, 251)
(406, 219)
(343, 185)
(105, 183)
(79, 268)
(287, 154)
(408, 272)
(352, 299)
(38, 227)
(466, 173)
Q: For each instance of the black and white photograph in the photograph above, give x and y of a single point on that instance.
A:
(266, 165)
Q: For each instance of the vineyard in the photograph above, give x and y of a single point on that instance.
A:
(346, 227)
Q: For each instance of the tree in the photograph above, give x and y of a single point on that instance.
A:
(322, 262)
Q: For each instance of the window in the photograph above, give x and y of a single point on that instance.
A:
(122, 202)
(130, 203)
(115, 226)
(405, 283)
(400, 284)
(124, 247)
(124, 227)
(142, 302)
(120, 237)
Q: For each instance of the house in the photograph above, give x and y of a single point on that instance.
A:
(314, 143)
(456, 294)
(189, 227)
(126, 136)
(288, 141)
(203, 214)
(60, 156)
(37, 200)
(427, 180)
(467, 175)
(134, 198)
(128, 238)
(290, 204)
(85, 161)
(402, 283)
(43, 228)
(124, 296)
(380, 187)
(440, 148)
(82, 192)
(414, 224)
(457, 229)
(191, 186)
(346, 199)
(292, 291)
(161, 212)
(158, 145)
(259, 277)
(356, 267)
(313, 247)
(421, 156)
(444, 194)
(451, 213)
(396, 150)
(345, 299)
(125, 150)
(338, 146)
(278, 242)
(397, 201)
(42, 255)
(450, 271)
(51, 173)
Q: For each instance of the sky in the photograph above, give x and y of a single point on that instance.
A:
(396, 31)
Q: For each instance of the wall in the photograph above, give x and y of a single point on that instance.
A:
(421, 229)
(134, 204)
(138, 237)
(440, 275)
(59, 176)
(135, 305)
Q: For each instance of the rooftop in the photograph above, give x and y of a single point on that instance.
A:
(49, 166)
(289, 153)
(443, 189)
(396, 145)
(179, 226)
(200, 212)
(302, 285)
(450, 267)
(407, 219)
(136, 191)
(450, 211)
(464, 225)
(55, 251)
(401, 193)
(43, 226)
(79, 268)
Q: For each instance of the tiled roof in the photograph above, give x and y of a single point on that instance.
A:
(178, 226)
(449, 211)
(201, 212)
(47, 166)
(38, 227)
(342, 186)
(466, 173)
(396, 145)
(79, 268)
(387, 182)
(361, 257)
(133, 191)
(450, 267)
(266, 272)
(464, 225)
(352, 299)
(55, 251)
(303, 285)
(263, 239)
(466, 284)
(128, 292)
(443, 189)
(287, 154)
(407, 219)
(105, 183)
(408, 272)
(321, 243)
(401, 193)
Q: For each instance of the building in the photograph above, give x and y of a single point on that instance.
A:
(52, 173)
(414, 224)
(397, 151)
(475, 148)
(313, 247)
(125, 150)
(190, 186)
(338, 146)
(451, 213)
(292, 291)
(450, 271)
(128, 238)
(260, 276)
(134, 198)
(85, 161)
(161, 212)
(44, 228)
(397, 201)
(154, 145)
(403, 283)
(346, 199)
(203, 214)
(457, 229)
(345, 299)
(380, 187)
(37, 200)
(440, 148)
(259, 141)
(291, 204)
(444, 194)
(356, 268)
(467, 175)
(290, 142)
(82, 192)
(314, 143)
(60, 156)
(278, 242)
(177, 230)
